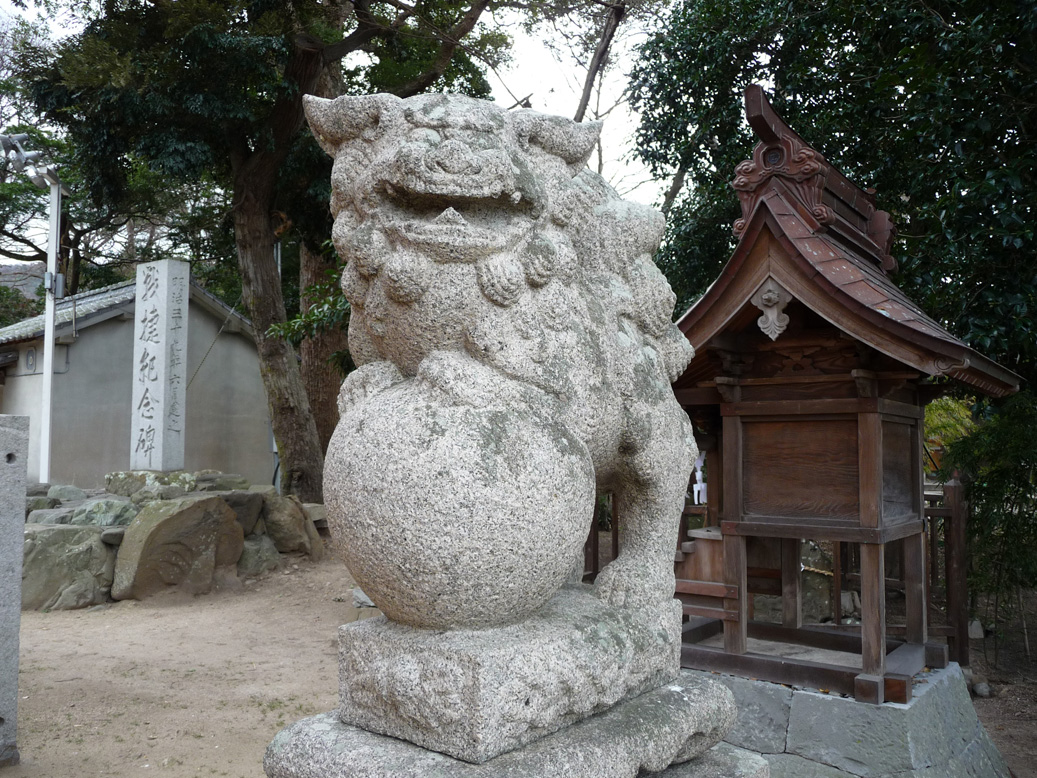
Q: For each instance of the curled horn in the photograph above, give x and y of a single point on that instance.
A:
(345, 118)
(571, 141)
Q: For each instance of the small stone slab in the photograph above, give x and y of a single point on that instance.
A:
(474, 694)
(681, 720)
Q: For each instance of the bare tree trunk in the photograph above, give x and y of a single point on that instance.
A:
(302, 464)
(255, 178)
(319, 376)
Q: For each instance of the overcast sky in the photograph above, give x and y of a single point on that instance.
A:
(553, 87)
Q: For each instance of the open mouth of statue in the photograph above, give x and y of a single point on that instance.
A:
(457, 228)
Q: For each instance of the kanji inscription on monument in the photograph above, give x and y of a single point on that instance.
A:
(160, 365)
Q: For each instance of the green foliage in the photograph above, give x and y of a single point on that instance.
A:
(998, 464)
(15, 307)
(932, 104)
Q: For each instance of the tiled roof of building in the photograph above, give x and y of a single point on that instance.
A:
(81, 308)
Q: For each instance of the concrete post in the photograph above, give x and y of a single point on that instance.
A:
(14, 455)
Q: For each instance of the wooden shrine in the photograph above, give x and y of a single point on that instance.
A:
(807, 393)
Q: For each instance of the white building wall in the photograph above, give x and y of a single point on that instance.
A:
(228, 426)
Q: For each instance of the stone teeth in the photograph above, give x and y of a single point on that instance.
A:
(450, 216)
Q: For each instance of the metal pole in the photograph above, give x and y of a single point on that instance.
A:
(49, 326)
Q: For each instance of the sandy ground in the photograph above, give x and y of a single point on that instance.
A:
(176, 686)
(197, 687)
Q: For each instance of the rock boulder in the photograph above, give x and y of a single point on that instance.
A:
(65, 567)
(288, 526)
(104, 513)
(181, 543)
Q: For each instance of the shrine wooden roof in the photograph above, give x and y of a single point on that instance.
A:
(820, 237)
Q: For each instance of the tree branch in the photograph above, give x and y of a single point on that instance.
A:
(448, 45)
(608, 32)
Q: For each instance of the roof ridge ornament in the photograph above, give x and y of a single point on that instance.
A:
(827, 199)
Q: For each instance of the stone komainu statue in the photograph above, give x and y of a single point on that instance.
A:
(515, 350)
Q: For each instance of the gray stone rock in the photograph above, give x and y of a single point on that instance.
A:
(264, 489)
(361, 600)
(177, 543)
(246, 505)
(982, 689)
(40, 503)
(790, 766)
(317, 513)
(938, 723)
(678, 721)
(128, 482)
(763, 713)
(259, 555)
(62, 515)
(66, 492)
(474, 694)
(976, 631)
(104, 513)
(65, 567)
(227, 482)
(37, 490)
(286, 523)
(113, 536)
(152, 492)
(721, 761)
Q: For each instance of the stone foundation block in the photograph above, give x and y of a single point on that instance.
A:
(677, 722)
(474, 694)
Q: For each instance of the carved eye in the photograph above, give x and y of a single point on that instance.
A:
(773, 157)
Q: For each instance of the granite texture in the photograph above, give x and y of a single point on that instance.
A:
(515, 351)
(474, 694)
(14, 448)
(678, 721)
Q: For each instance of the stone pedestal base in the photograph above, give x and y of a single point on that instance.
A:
(807, 734)
(672, 724)
(475, 694)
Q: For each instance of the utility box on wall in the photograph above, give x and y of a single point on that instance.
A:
(808, 389)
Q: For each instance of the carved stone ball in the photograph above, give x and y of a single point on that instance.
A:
(453, 515)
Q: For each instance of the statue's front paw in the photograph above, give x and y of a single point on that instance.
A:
(365, 381)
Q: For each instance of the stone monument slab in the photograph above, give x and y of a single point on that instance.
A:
(160, 365)
(474, 694)
(674, 723)
(14, 453)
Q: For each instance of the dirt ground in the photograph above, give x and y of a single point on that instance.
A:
(197, 687)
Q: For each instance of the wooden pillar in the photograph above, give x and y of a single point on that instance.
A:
(791, 576)
(736, 632)
(957, 588)
(914, 588)
(869, 686)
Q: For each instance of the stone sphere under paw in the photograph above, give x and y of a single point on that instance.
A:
(451, 515)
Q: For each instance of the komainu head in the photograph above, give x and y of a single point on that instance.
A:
(451, 213)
